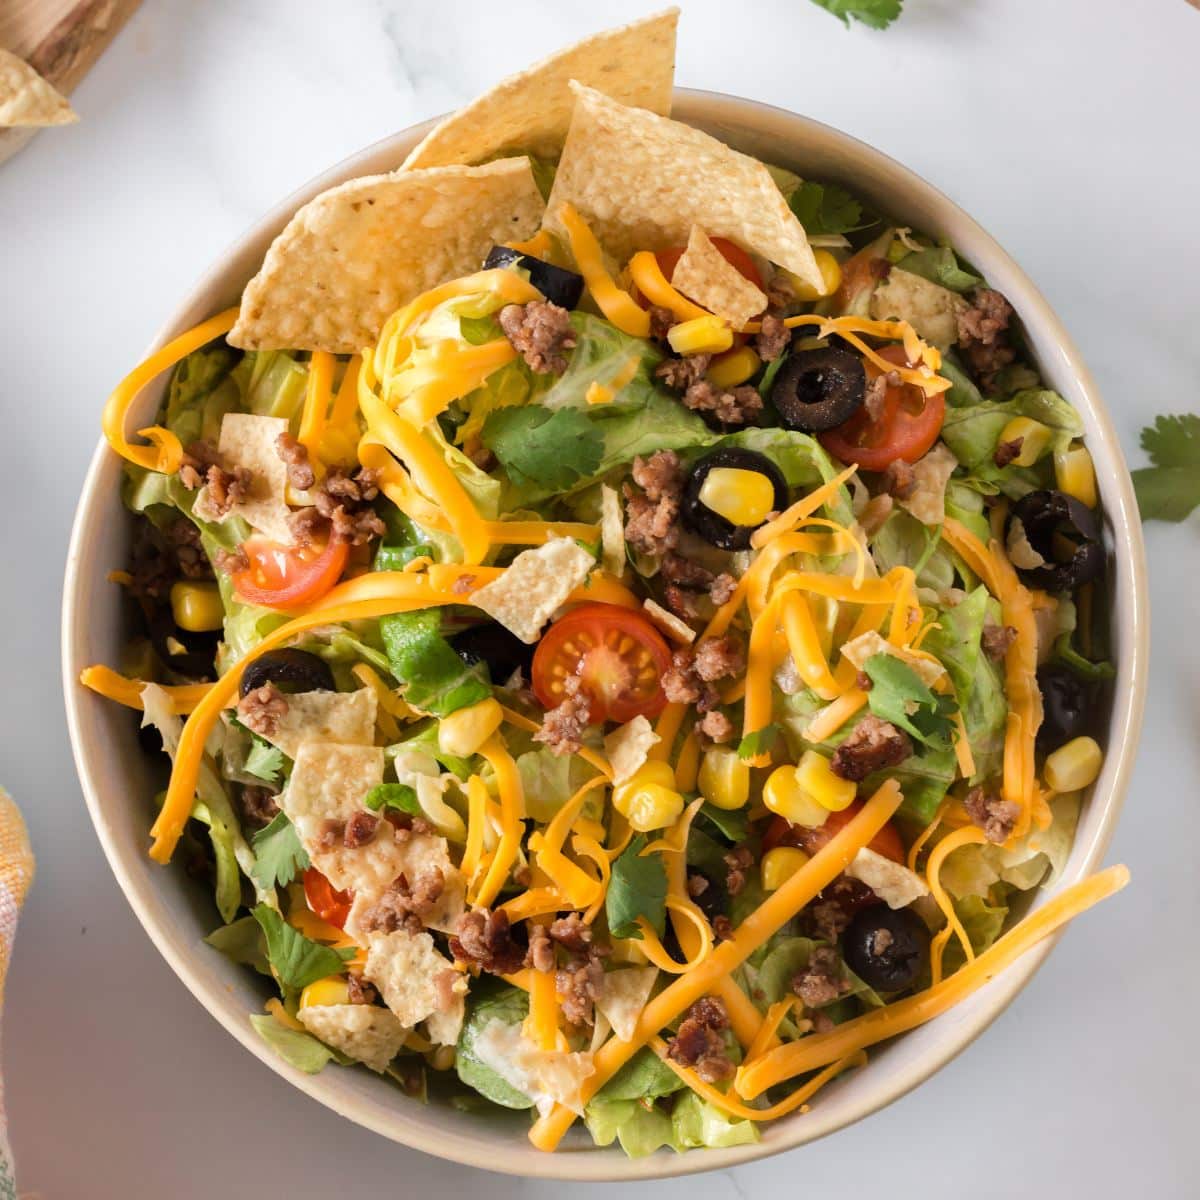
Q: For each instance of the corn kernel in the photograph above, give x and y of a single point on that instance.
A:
(197, 607)
(724, 778)
(783, 796)
(815, 776)
(1075, 474)
(779, 865)
(1033, 436)
(741, 497)
(463, 731)
(333, 989)
(1074, 766)
(831, 278)
(733, 367)
(648, 799)
(701, 335)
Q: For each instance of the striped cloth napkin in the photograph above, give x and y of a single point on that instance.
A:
(16, 874)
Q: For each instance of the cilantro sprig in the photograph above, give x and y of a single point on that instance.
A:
(638, 888)
(279, 856)
(875, 14)
(899, 695)
(1170, 489)
(538, 446)
(826, 208)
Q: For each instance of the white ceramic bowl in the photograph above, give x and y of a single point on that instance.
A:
(117, 780)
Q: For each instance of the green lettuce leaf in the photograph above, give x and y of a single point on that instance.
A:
(279, 854)
(640, 1129)
(490, 1001)
(548, 780)
(296, 1048)
(201, 393)
(973, 432)
(696, 1123)
(297, 961)
(644, 1077)
(271, 383)
(940, 265)
(394, 795)
(982, 923)
(243, 942)
(638, 889)
(434, 677)
(963, 393)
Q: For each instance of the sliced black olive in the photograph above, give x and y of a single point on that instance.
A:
(290, 671)
(819, 389)
(710, 525)
(886, 948)
(1066, 705)
(499, 650)
(1060, 530)
(188, 654)
(558, 285)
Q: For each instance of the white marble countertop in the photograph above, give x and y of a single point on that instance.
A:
(1068, 129)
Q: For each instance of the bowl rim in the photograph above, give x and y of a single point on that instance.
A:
(1128, 700)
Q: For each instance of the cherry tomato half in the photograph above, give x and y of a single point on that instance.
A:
(288, 577)
(782, 832)
(618, 656)
(730, 251)
(906, 428)
(325, 900)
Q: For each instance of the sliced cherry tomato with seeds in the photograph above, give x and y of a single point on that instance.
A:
(617, 655)
(288, 576)
(325, 900)
(906, 428)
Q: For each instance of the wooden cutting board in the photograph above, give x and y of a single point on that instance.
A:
(60, 39)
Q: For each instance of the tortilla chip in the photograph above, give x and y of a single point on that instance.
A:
(705, 275)
(248, 440)
(642, 181)
(669, 623)
(531, 111)
(628, 746)
(354, 254)
(27, 99)
(344, 717)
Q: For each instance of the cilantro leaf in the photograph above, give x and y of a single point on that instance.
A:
(759, 742)
(393, 795)
(280, 857)
(264, 761)
(1170, 489)
(875, 14)
(638, 888)
(825, 208)
(296, 960)
(535, 445)
(899, 695)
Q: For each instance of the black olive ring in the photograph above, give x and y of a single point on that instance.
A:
(293, 670)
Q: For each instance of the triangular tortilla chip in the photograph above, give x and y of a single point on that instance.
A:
(28, 99)
(354, 254)
(530, 111)
(642, 181)
(704, 274)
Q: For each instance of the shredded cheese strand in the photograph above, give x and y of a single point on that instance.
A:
(804, 507)
(512, 810)
(733, 1108)
(164, 454)
(543, 1006)
(914, 851)
(815, 1050)
(587, 847)
(829, 720)
(316, 404)
(652, 283)
(765, 1038)
(128, 692)
(937, 856)
(805, 646)
(617, 305)
(774, 912)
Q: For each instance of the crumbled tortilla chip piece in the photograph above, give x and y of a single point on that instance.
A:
(405, 967)
(248, 440)
(705, 275)
(531, 111)
(365, 1032)
(535, 584)
(627, 746)
(673, 626)
(612, 532)
(931, 473)
(413, 857)
(929, 308)
(547, 1077)
(642, 181)
(622, 997)
(27, 99)
(443, 1028)
(892, 882)
(868, 644)
(354, 254)
(345, 717)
